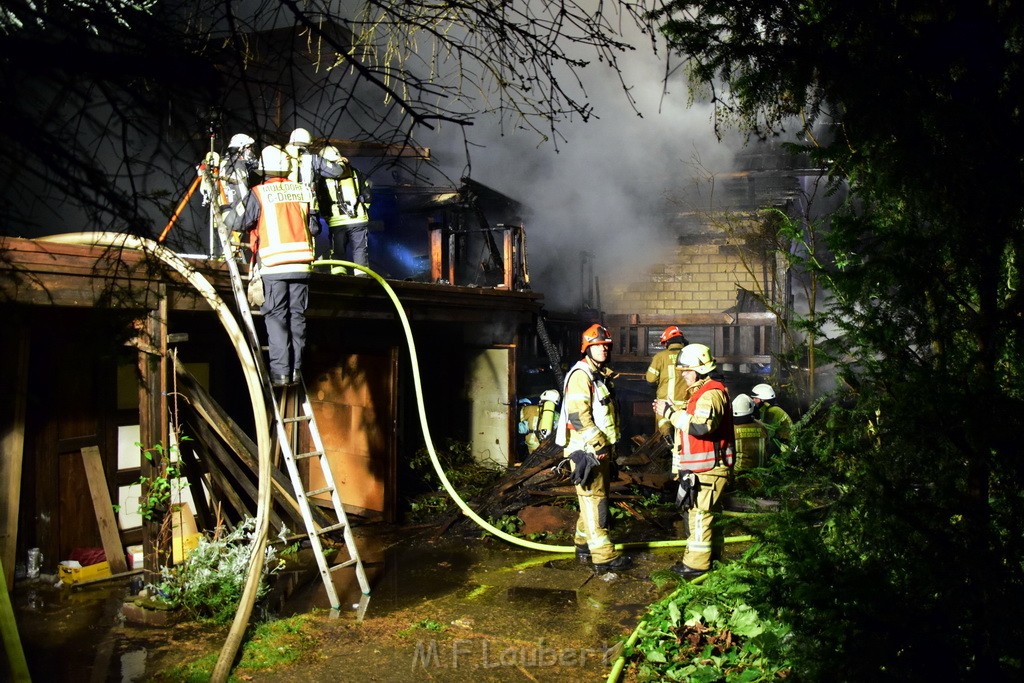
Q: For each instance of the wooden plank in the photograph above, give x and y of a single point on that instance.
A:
(508, 262)
(229, 431)
(229, 471)
(100, 495)
(12, 443)
(436, 261)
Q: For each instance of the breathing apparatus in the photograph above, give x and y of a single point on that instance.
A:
(548, 409)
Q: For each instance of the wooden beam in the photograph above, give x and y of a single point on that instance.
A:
(100, 495)
(12, 442)
(436, 253)
(231, 471)
(237, 440)
(153, 423)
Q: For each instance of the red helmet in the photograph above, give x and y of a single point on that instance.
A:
(670, 332)
(595, 334)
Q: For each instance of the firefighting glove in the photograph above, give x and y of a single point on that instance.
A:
(584, 464)
(689, 486)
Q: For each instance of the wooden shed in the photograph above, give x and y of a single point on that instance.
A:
(84, 363)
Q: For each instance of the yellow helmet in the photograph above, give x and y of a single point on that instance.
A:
(275, 161)
(696, 357)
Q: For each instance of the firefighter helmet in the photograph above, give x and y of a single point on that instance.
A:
(550, 395)
(300, 138)
(595, 335)
(671, 332)
(240, 140)
(275, 161)
(331, 153)
(696, 357)
(742, 406)
(763, 392)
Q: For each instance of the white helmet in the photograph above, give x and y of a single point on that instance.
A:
(763, 392)
(275, 161)
(331, 153)
(300, 138)
(550, 395)
(240, 140)
(742, 406)
(696, 357)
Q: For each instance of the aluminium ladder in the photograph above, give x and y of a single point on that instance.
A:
(289, 428)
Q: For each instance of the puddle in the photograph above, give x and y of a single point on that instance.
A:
(484, 593)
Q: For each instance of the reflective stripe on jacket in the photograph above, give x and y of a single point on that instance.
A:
(344, 196)
(598, 401)
(703, 453)
(284, 244)
(664, 373)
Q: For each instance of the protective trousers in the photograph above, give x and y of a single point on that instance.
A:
(700, 518)
(352, 238)
(592, 525)
(284, 310)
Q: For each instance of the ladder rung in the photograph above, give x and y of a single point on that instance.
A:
(300, 418)
(303, 456)
(317, 492)
(342, 565)
(329, 529)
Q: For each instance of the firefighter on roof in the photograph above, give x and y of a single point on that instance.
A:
(277, 213)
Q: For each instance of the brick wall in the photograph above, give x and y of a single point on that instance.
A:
(702, 278)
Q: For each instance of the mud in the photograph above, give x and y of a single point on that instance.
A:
(460, 609)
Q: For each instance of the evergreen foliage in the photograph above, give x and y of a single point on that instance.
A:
(907, 565)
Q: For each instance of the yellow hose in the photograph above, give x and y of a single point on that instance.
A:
(481, 522)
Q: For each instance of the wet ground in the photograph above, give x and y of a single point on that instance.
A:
(454, 609)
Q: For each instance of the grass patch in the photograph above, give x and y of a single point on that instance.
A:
(270, 645)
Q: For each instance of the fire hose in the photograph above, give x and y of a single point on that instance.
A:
(262, 422)
(468, 511)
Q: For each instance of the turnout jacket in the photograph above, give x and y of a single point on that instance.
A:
(665, 375)
(588, 410)
(278, 209)
(704, 436)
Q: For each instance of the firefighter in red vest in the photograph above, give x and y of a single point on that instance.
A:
(588, 428)
(277, 213)
(703, 454)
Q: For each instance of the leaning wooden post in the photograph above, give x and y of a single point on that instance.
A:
(14, 373)
(153, 423)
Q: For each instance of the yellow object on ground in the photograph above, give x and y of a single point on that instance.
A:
(72, 575)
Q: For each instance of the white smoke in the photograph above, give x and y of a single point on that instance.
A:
(610, 187)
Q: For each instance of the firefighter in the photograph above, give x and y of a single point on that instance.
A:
(237, 174)
(277, 213)
(536, 420)
(776, 420)
(751, 436)
(663, 374)
(703, 453)
(588, 428)
(344, 202)
(308, 168)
